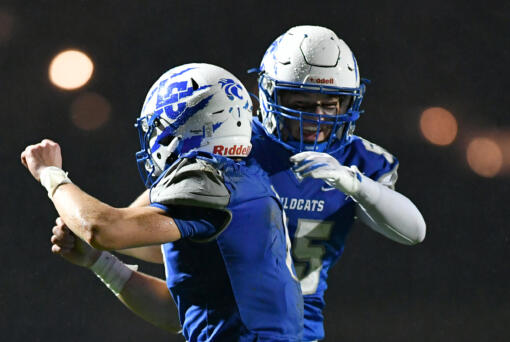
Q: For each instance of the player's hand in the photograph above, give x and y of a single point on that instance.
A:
(71, 247)
(323, 166)
(39, 156)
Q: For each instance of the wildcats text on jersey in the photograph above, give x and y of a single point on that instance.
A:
(303, 204)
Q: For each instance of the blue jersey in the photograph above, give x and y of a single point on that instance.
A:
(319, 216)
(240, 286)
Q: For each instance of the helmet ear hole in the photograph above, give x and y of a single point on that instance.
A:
(194, 84)
(165, 141)
(171, 158)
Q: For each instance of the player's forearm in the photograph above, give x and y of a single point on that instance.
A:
(84, 215)
(146, 296)
(146, 253)
(149, 298)
(108, 228)
(389, 213)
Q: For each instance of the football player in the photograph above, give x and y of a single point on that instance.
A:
(221, 226)
(310, 93)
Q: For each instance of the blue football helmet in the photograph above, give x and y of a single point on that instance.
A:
(312, 60)
(193, 107)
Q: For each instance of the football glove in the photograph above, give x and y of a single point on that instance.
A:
(323, 166)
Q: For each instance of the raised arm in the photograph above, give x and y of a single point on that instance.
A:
(100, 225)
(106, 227)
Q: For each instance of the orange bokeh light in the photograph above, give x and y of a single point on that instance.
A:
(438, 126)
(6, 25)
(71, 69)
(90, 111)
(485, 157)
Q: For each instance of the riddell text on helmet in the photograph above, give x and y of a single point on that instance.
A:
(231, 150)
(322, 80)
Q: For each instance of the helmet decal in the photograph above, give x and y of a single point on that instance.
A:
(231, 88)
(156, 89)
(182, 72)
(216, 126)
(194, 107)
(181, 119)
(271, 51)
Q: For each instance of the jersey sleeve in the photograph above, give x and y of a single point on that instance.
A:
(192, 192)
(197, 224)
(376, 163)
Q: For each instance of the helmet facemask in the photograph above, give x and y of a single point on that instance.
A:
(314, 62)
(151, 133)
(332, 129)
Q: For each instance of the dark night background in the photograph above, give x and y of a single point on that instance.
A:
(452, 287)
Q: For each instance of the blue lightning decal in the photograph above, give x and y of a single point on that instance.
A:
(168, 98)
(192, 142)
(181, 117)
(181, 72)
(216, 126)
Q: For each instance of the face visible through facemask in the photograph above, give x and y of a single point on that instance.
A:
(327, 105)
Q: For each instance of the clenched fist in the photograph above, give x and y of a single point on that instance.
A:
(70, 247)
(39, 156)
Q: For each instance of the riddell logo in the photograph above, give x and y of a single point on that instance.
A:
(231, 151)
(322, 80)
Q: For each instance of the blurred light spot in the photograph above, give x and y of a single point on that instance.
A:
(71, 69)
(485, 157)
(438, 126)
(6, 25)
(90, 111)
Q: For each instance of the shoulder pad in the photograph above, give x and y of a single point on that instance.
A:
(374, 148)
(386, 173)
(390, 178)
(191, 182)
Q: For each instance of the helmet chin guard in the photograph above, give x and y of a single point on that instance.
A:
(193, 107)
(309, 60)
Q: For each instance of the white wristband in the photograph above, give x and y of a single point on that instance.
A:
(52, 177)
(112, 272)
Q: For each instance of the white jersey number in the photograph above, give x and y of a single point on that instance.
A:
(307, 255)
(369, 146)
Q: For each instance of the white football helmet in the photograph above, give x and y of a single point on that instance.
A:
(193, 107)
(309, 59)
